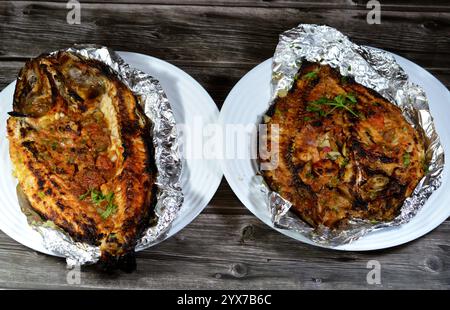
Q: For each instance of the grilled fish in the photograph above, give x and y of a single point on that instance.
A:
(344, 152)
(82, 153)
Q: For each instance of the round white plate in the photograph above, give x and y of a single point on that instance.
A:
(250, 98)
(199, 180)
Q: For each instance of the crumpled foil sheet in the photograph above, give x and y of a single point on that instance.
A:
(165, 140)
(374, 69)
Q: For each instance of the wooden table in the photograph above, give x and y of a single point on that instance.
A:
(226, 246)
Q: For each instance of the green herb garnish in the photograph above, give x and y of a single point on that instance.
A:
(340, 101)
(351, 97)
(50, 224)
(97, 197)
(406, 159)
(54, 145)
(41, 195)
(306, 118)
(345, 162)
(311, 75)
(112, 236)
(425, 167)
(110, 209)
(83, 196)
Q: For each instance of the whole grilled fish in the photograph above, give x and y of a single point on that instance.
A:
(343, 150)
(82, 152)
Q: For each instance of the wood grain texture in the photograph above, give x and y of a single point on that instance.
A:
(220, 251)
(433, 5)
(217, 42)
(193, 34)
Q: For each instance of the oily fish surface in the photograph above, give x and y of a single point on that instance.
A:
(343, 150)
(82, 152)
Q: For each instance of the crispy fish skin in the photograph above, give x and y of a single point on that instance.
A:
(360, 159)
(82, 152)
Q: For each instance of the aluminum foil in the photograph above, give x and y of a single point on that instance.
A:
(374, 69)
(165, 140)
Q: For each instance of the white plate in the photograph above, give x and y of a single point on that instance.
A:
(249, 99)
(200, 178)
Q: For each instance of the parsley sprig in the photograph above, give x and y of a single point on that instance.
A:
(343, 101)
(406, 159)
(311, 75)
(97, 197)
(84, 196)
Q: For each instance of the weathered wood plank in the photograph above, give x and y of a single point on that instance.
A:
(347, 4)
(211, 34)
(238, 251)
(225, 202)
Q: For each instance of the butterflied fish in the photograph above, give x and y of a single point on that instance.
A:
(343, 150)
(82, 152)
